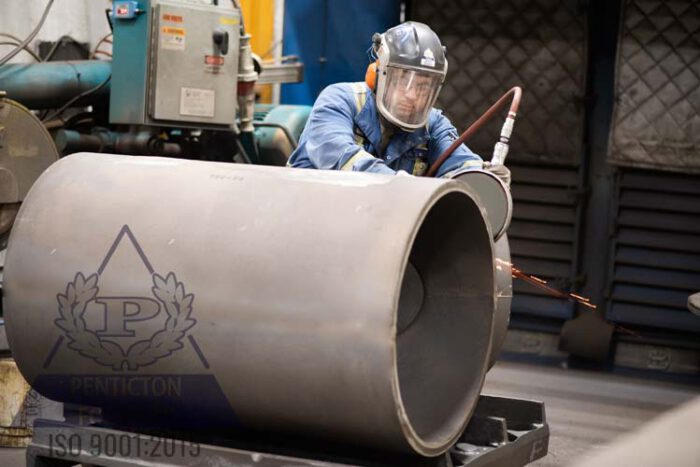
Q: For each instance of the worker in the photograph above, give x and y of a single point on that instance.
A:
(387, 124)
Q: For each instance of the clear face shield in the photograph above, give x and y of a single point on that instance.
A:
(409, 95)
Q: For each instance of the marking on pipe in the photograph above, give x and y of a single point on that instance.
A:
(127, 338)
(125, 231)
(53, 351)
(198, 351)
(125, 327)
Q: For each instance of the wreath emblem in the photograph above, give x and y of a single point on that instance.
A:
(169, 292)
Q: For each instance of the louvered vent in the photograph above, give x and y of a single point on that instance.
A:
(656, 260)
(542, 234)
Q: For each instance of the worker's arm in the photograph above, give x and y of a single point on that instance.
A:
(328, 141)
(442, 135)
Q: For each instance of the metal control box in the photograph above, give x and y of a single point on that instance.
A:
(176, 64)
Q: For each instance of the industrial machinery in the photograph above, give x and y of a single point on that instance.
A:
(180, 83)
(333, 356)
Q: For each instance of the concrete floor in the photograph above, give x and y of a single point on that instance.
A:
(585, 410)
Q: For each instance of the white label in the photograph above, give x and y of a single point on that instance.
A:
(197, 102)
(173, 38)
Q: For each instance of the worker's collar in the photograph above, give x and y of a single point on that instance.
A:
(367, 120)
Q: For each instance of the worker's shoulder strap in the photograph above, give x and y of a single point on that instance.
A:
(360, 91)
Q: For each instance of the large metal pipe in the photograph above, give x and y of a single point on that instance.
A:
(264, 295)
(504, 296)
(51, 84)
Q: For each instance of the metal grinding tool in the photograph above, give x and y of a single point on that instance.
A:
(493, 195)
(157, 286)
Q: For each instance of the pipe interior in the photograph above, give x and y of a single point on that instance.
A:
(442, 349)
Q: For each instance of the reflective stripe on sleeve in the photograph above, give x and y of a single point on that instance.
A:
(360, 92)
(359, 155)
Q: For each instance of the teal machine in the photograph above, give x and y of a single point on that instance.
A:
(180, 83)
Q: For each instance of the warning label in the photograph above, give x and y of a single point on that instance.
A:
(228, 21)
(214, 60)
(197, 102)
(213, 64)
(173, 38)
(172, 18)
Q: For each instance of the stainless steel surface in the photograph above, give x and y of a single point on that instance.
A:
(497, 204)
(494, 196)
(504, 296)
(295, 294)
(273, 73)
(185, 87)
(411, 298)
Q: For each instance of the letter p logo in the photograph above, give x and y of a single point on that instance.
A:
(119, 311)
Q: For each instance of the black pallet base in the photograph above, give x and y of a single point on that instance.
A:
(503, 432)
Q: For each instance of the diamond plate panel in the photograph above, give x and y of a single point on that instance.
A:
(656, 120)
(493, 45)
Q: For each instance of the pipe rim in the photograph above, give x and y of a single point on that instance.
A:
(418, 443)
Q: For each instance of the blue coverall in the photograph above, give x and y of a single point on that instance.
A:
(344, 133)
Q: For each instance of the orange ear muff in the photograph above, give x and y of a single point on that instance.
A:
(371, 75)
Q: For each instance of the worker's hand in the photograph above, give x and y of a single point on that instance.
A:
(501, 171)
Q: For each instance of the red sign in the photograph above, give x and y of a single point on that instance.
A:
(213, 60)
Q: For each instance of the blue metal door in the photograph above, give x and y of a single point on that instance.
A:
(331, 38)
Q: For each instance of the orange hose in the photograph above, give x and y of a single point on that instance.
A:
(515, 104)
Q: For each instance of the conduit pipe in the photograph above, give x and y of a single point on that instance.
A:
(51, 84)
